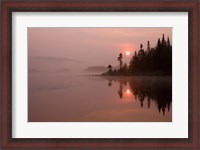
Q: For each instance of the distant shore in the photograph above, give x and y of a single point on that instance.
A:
(128, 77)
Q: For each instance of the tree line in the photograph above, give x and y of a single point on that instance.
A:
(147, 61)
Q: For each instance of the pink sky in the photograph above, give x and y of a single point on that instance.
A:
(85, 47)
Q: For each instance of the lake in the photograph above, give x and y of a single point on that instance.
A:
(58, 97)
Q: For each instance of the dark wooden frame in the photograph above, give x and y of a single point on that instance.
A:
(190, 6)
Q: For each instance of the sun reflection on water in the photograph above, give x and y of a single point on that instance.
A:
(127, 97)
(127, 91)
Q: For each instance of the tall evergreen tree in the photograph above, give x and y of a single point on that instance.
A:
(163, 40)
(120, 57)
(158, 44)
(148, 46)
(168, 42)
(110, 68)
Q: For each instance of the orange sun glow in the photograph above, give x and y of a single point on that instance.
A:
(127, 53)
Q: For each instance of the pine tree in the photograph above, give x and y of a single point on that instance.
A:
(168, 42)
(158, 44)
(148, 46)
(110, 68)
(163, 41)
(120, 60)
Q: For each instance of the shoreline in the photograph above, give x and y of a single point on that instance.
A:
(136, 76)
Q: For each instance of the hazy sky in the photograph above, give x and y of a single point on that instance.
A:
(66, 48)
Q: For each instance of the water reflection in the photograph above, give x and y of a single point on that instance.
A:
(158, 90)
(61, 98)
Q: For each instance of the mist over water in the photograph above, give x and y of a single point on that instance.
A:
(68, 97)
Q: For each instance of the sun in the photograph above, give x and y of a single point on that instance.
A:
(127, 53)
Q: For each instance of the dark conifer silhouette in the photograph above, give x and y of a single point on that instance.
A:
(120, 60)
(148, 46)
(152, 61)
(110, 68)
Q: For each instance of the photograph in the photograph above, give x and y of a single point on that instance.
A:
(99, 74)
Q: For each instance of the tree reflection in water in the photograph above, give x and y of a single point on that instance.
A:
(157, 89)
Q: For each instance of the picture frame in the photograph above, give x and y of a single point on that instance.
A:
(190, 6)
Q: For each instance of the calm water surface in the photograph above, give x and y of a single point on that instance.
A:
(74, 98)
